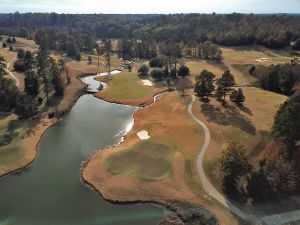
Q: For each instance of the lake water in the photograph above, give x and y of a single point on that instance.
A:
(49, 192)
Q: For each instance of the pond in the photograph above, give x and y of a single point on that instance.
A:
(50, 193)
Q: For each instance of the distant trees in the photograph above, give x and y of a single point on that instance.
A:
(274, 31)
(210, 51)
(286, 126)
(143, 70)
(51, 38)
(204, 84)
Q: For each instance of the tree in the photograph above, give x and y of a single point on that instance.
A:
(286, 126)
(31, 83)
(98, 49)
(204, 84)
(237, 96)
(19, 65)
(157, 74)
(107, 52)
(159, 61)
(225, 83)
(143, 70)
(90, 60)
(258, 185)
(21, 53)
(43, 70)
(8, 90)
(183, 71)
(234, 165)
(26, 106)
(28, 60)
(57, 79)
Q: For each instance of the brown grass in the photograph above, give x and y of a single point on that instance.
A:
(249, 125)
(168, 122)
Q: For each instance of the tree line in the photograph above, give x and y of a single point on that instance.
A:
(42, 76)
(278, 78)
(275, 31)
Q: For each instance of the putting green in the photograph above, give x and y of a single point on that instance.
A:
(146, 160)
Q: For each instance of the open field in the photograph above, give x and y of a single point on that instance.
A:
(238, 60)
(127, 88)
(26, 44)
(252, 55)
(118, 179)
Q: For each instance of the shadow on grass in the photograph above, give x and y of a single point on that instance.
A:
(230, 116)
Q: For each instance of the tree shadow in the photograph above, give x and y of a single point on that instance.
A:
(219, 64)
(231, 116)
(245, 109)
(10, 133)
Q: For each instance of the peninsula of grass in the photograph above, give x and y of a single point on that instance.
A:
(159, 169)
(127, 88)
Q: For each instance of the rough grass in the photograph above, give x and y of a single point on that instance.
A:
(249, 55)
(146, 160)
(10, 142)
(249, 125)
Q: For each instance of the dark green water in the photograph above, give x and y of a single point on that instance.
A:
(49, 193)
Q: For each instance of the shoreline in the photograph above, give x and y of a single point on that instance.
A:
(30, 144)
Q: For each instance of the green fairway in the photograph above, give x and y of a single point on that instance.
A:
(147, 161)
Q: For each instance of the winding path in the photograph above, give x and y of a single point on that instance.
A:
(11, 73)
(207, 186)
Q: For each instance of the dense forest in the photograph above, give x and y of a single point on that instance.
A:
(275, 31)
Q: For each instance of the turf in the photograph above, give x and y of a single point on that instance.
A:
(146, 160)
(127, 88)
(10, 142)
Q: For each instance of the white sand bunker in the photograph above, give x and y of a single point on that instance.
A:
(147, 82)
(143, 135)
(262, 60)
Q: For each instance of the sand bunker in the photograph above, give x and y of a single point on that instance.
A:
(143, 135)
(147, 82)
(262, 60)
